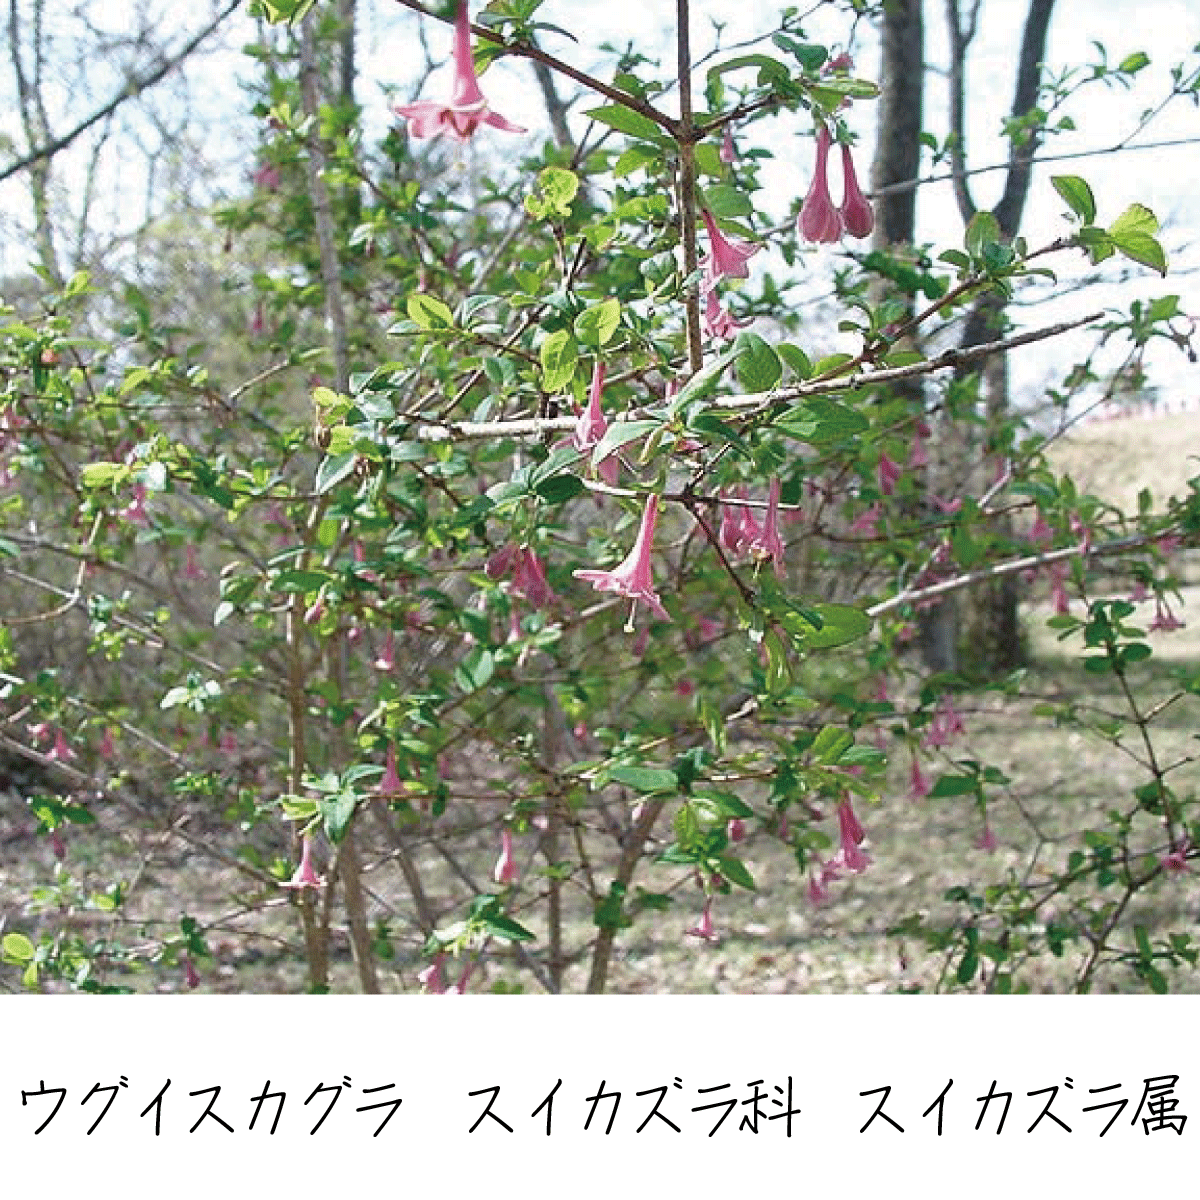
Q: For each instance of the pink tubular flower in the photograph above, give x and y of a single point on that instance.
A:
(387, 656)
(720, 322)
(1058, 587)
(918, 785)
(766, 542)
(867, 522)
(1176, 860)
(1165, 621)
(727, 153)
(468, 109)
(727, 256)
(432, 979)
(819, 221)
(190, 975)
(529, 579)
(305, 876)
(946, 724)
(389, 783)
(857, 214)
(632, 578)
(593, 425)
(60, 751)
(505, 872)
(736, 829)
(987, 839)
(703, 929)
(818, 888)
(889, 474)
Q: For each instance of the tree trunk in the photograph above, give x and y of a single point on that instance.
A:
(991, 621)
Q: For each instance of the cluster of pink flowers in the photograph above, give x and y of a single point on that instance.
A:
(741, 533)
(820, 220)
(526, 577)
(727, 259)
(850, 856)
(946, 724)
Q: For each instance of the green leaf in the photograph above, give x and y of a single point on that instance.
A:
(559, 354)
(983, 230)
(725, 202)
(429, 312)
(798, 362)
(597, 323)
(17, 948)
(621, 433)
(336, 812)
(770, 70)
(840, 625)
(102, 474)
(1078, 195)
(1144, 249)
(644, 779)
(820, 421)
(636, 156)
(1131, 64)
(831, 744)
(625, 120)
(557, 188)
(476, 670)
(758, 366)
(954, 785)
(333, 469)
(505, 928)
(559, 488)
(735, 871)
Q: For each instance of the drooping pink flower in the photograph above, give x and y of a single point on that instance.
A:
(432, 978)
(1165, 621)
(306, 875)
(765, 542)
(191, 568)
(190, 975)
(727, 255)
(738, 526)
(888, 474)
(389, 782)
(593, 425)
(918, 787)
(1176, 859)
(818, 889)
(819, 221)
(266, 177)
(703, 929)
(1041, 534)
(468, 109)
(736, 829)
(60, 751)
(719, 322)
(505, 872)
(106, 749)
(529, 579)
(867, 522)
(917, 457)
(387, 656)
(1058, 587)
(857, 214)
(633, 577)
(946, 724)
(987, 839)
(135, 511)
(728, 154)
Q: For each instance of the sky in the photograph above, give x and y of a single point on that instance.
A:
(391, 57)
